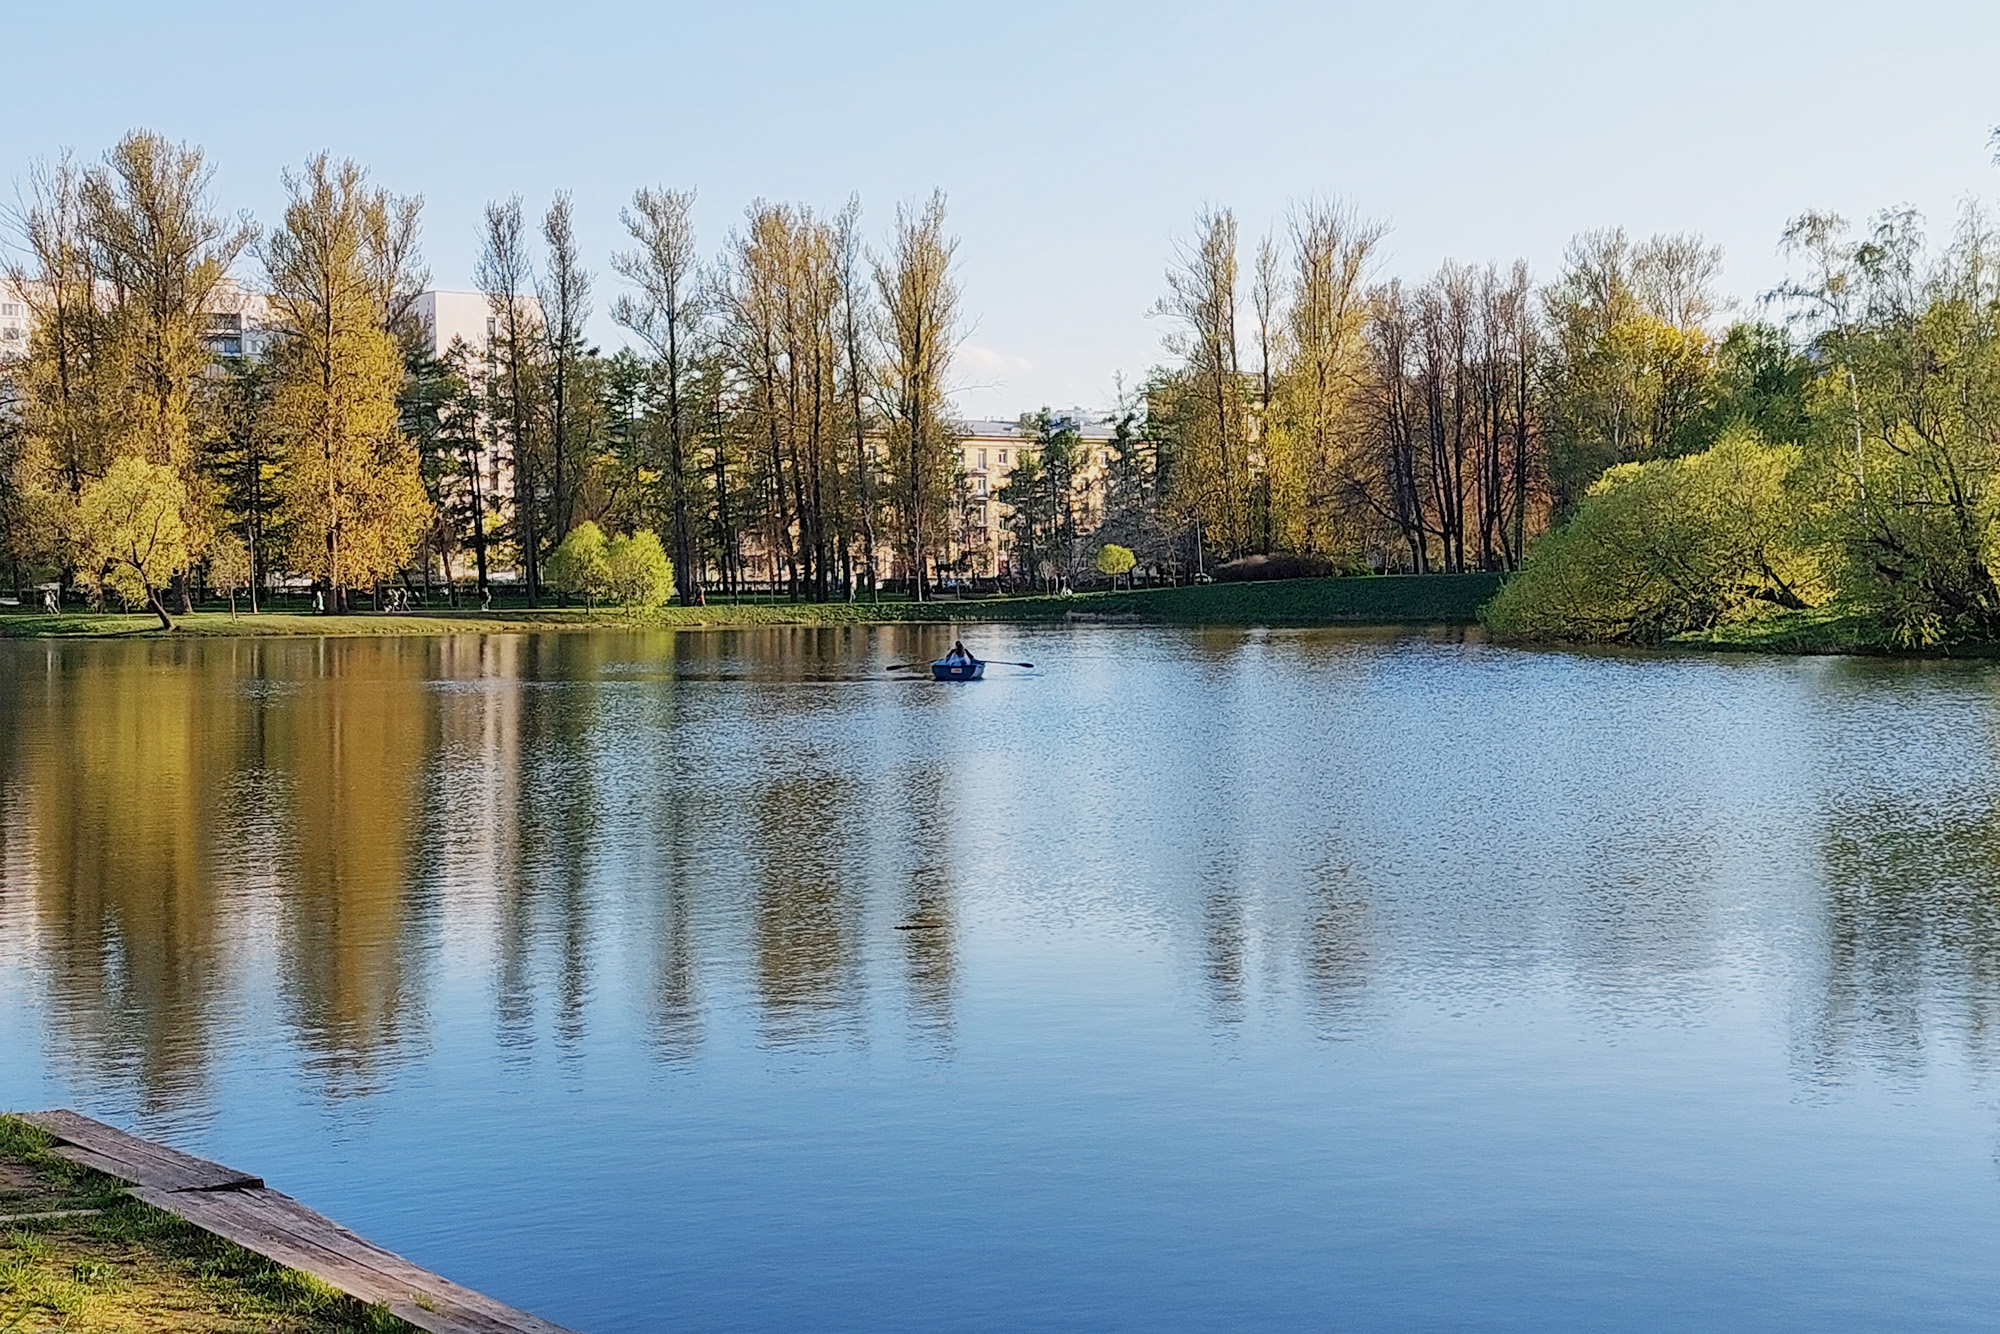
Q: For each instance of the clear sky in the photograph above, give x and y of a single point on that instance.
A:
(1075, 140)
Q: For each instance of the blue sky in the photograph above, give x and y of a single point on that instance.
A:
(1076, 141)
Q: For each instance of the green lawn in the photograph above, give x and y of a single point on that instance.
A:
(1382, 600)
(111, 1265)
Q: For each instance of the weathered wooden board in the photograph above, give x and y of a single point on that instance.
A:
(130, 1158)
(239, 1207)
(275, 1225)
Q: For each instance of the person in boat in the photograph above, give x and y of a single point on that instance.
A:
(959, 657)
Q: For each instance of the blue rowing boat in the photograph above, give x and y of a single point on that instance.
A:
(957, 665)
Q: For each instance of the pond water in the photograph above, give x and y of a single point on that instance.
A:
(1190, 980)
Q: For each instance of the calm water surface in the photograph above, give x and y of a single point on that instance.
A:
(1189, 981)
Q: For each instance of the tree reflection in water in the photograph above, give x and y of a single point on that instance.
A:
(352, 836)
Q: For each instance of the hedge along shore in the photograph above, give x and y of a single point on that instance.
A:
(1434, 599)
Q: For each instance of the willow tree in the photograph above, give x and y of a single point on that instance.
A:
(351, 492)
(1908, 457)
(130, 533)
(918, 334)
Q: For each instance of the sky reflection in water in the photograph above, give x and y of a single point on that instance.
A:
(1326, 978)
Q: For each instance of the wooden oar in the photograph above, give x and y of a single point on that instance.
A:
(992, 662)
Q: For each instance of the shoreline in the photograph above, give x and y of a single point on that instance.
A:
(79, 1252)
(1347, 602)
(1379, 600)
(128, 1211)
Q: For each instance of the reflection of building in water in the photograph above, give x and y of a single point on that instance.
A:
(478, 794)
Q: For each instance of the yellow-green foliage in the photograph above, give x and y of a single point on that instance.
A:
(581, 565)
(1672, 545)
(351, 492)
(1115, 560)
(640, 573)
(129, 531)
(229, 563)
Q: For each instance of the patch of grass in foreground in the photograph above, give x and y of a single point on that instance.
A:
(1361, 600)
(137, 1268)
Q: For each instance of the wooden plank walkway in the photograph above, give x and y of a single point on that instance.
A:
(241, 1208)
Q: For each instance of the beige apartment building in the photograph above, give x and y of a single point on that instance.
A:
(988, 455)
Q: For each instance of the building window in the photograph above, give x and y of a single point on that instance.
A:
(1003, 458)
(980, 486)
(12, 308)
(982, 459)
(1104, 460)
(10, 334)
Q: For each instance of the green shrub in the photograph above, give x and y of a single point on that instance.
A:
(581, 566)
(640, 575)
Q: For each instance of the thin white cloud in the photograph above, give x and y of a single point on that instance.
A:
(984, 362)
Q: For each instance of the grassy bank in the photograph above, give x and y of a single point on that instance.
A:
(1393, 599)
(1822, 630)
(116, 1264)
(1384, 600)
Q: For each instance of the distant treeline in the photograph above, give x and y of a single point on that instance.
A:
(782, 416)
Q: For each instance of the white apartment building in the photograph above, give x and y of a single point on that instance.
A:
(448, 317)
(13, 322)
(238, 321)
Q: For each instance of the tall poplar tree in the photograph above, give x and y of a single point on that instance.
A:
(667, 310)
(504, 275)
(918, 333)
(351, 491)
(1212, 476)
(565, 298)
